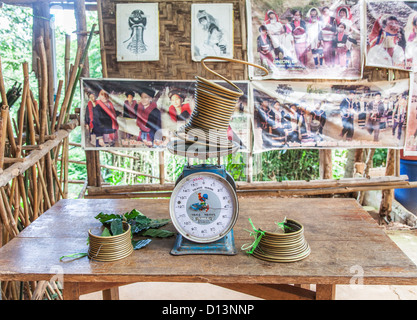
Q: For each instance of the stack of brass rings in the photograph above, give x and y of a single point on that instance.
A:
(289, 246)
(110, 248)
(214, 107)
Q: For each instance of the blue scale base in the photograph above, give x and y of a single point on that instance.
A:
(224, 246)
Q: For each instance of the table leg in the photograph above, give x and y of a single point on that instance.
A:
(325, 291)
(111, 294)
(304, 286)
(71, 291)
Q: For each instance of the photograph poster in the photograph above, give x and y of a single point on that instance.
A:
(410, 148)
(211, 30)
(391, 34)
(295, 39)
(328, 115)
(137, 32)
(121, 113)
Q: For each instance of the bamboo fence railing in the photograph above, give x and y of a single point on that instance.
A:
(33, 158)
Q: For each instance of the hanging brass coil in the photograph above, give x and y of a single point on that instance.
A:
(214, 107)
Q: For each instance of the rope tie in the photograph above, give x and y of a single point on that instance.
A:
(258, 234)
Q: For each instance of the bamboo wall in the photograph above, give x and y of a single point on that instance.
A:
(174, 42)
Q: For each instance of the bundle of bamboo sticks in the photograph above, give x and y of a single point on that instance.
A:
(31, 179)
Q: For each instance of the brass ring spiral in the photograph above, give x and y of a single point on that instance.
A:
(214, 107)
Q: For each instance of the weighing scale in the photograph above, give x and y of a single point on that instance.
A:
(204, 209)
(204, 206)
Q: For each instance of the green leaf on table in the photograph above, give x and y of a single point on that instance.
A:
(157, 233)
(108, 218)
(140, 244)
(106, 233)
(157, 223)
(116, 227)
(136, 219)
(139, 223)
(133, 214)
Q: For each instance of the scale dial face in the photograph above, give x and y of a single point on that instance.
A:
(203, 207)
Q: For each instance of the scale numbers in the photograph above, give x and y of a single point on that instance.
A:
(203, 207)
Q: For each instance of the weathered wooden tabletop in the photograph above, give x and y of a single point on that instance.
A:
(345, 243)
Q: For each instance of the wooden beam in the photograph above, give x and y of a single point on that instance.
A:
(20, 167)
(256, 193)
(267, 186)
(115, 168)
(271, 291)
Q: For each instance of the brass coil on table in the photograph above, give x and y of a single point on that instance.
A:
(214, 107)
(110, 248)
(290, 246)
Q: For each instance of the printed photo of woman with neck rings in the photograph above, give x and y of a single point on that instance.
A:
(391, 34)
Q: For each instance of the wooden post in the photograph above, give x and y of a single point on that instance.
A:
(101, 32)
(397, 162)
(65, 166)
(161, 159)
(350, 163)
(368, 165)
(326, 170)
(67, 60)
(4, 117)
(43, 90)
(71, 291)
(388, 195)
(81, 22)
(325, 291)
(32, 139)
(92, 157)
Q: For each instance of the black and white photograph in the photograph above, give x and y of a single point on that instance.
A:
(137, 32)
(212, 30)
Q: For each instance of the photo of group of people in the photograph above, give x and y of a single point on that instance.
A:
(305, 40)
(410, 148)
(392, 34)
(145, 114)
(323, 115)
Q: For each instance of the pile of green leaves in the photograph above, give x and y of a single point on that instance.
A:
(140, 225)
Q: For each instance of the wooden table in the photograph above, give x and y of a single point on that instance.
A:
(344, 240)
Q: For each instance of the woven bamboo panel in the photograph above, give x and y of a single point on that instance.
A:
(174, 44)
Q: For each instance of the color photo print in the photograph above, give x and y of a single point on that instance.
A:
(328, 115)
(131, 114)
(410, 148)
(391, 34)
(295, 39)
